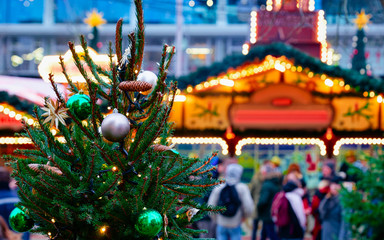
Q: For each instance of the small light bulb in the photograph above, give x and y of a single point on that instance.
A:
(53, 220)
(103, 229)
(114, 169)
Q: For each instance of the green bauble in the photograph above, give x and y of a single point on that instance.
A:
(149, 223)
(80, 105)
(19, 221)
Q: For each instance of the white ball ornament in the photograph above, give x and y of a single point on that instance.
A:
(115, 127)
(149, 77)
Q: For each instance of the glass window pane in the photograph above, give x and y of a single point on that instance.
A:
(21, 11)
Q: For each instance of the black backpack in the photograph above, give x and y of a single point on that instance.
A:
(229, 198)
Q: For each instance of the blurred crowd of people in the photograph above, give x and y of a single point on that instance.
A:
(280, 204)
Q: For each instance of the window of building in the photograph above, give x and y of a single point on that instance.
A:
(21, 11)
(74, 11)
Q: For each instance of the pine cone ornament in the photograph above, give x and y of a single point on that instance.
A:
(37, 168)
(160, 148)
(135, 86)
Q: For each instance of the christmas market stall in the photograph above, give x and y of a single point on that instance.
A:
(282, 97)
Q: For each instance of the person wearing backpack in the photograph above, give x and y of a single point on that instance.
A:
(270, 187)
(236, 197)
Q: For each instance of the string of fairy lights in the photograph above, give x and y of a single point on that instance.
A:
(281, 141)
(271, 63)
(11, 112)
(356, 141)
(325, 55)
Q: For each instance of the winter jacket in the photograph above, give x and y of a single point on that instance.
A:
(268, 191)
(233, 175)
(330, 214)
(316, 199)
(295, 228)
(255, 187)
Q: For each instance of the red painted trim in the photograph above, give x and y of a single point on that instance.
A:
(281, 116)
(281, 102)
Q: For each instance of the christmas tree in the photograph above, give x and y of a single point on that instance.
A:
(359, 59)
(110, 175)
(363, 202)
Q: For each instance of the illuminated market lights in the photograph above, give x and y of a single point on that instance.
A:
(281, 141)
(18, 115)
(245, 50)
(189, 89)
(201, 140)
(356, 141)
(269, 5)
(322, 35)
(179, 98)
(371, 94)
(379, 99)
(253, 30)
(227, 82)
(328, 82)
(311, 5)
(279, 67)
(22, 140)
(15, 140)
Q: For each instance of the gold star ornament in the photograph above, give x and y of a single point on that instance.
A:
(94, 19)
(54, 112)
(362, 19)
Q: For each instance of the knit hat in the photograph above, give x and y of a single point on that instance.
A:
(276, 160)
(233, 173)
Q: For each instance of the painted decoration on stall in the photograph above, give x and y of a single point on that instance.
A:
(356, 114)
(206, 112)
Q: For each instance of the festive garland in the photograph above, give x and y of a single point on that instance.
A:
(359, 81)
(16, 102)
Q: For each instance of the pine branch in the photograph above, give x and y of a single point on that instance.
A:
(206, 162)
(91, 64)
(118, 39)
(131, 71)
(140, 34)
(55, 89)
(181, 171)
(69, 80)
(91, 85)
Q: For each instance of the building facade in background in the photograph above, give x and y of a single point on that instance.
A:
(31, 29)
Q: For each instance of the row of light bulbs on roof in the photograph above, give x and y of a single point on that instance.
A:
(15, 114)
(281, 141)
(268, 64)
(278, 4)
(358, 141)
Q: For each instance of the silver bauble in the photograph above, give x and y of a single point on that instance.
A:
(115, 127)
(149, 77)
